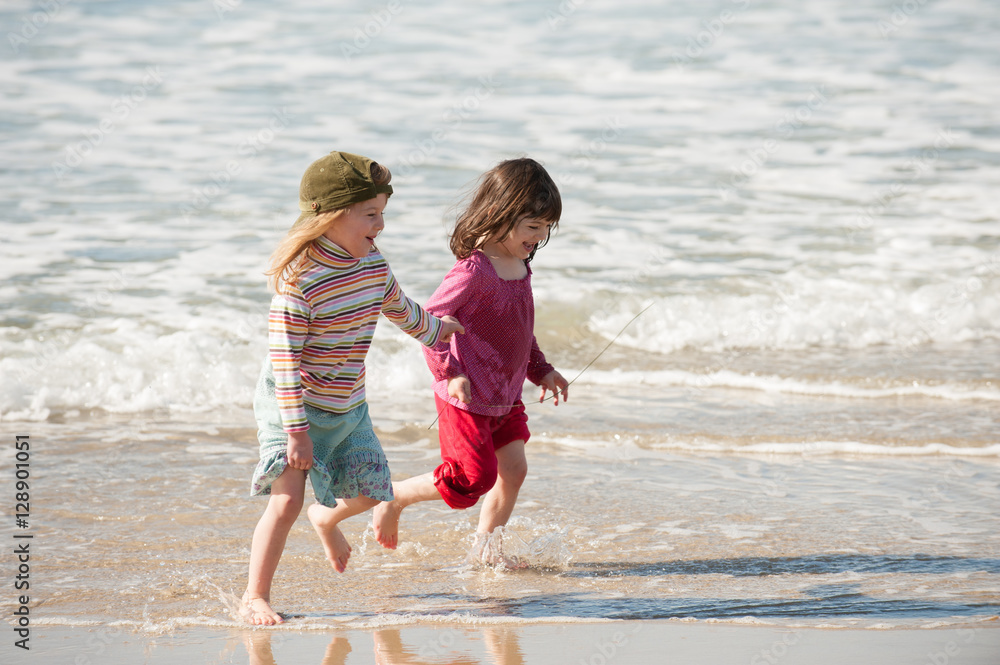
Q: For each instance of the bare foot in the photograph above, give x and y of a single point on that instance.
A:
(385, 519)
(510, 563)
(389, 647)
(257, 611)
(338, 550)
(258, 645)
(487, 549)
(336, 651)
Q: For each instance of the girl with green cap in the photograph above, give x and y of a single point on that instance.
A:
(331, 283)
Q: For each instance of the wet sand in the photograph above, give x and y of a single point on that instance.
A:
(575, 643)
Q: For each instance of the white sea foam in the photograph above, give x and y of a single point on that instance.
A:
(620, 453)
(389, 620)
(807, 312)
(784, 385)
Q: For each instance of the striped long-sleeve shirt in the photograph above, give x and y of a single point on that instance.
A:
(321, 327)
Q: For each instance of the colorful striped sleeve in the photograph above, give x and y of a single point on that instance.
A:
(407, 315)
(288, 325)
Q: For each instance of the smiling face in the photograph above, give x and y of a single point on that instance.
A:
(355, 230)
(524, 237)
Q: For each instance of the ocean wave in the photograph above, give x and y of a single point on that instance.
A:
(645, 446)
(982, 390)
(128, 369)
(311, 624)
(131, 368)
(814, 448)
(828, 313)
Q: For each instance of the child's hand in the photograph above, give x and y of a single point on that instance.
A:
(555, 382)
(461, 389)
(450, 327)
(300, 450)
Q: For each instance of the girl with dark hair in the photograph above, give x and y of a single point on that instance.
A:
(478, 376)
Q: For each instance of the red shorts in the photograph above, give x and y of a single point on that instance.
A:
(469, 442)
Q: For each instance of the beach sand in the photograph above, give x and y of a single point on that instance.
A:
(571, 643)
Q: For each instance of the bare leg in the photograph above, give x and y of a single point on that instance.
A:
(389, 648)
(258, 644)
(385, 517)
(498, 504)
(325, 520)
(336, 651)
(284, 506)
(503, 645)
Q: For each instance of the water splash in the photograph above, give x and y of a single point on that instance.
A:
(232, 603)
(520, 544)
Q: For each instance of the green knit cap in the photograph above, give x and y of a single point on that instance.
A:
(336, 181)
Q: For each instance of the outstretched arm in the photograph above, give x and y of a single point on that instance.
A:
(450, 326)
(410, 317)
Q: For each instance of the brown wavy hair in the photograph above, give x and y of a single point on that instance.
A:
(510, 191)
(292, 255)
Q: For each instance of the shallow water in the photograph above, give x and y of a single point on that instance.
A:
(151, 525)
(786, 231)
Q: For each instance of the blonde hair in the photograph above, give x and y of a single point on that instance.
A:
(294, 252)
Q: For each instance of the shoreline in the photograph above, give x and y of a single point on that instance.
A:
(590, 642)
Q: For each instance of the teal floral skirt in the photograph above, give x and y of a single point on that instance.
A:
(347, 457)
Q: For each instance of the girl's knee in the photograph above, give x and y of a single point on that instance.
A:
(285, 506)
(514, 471)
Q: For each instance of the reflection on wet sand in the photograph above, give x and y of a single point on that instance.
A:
(445, 647)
